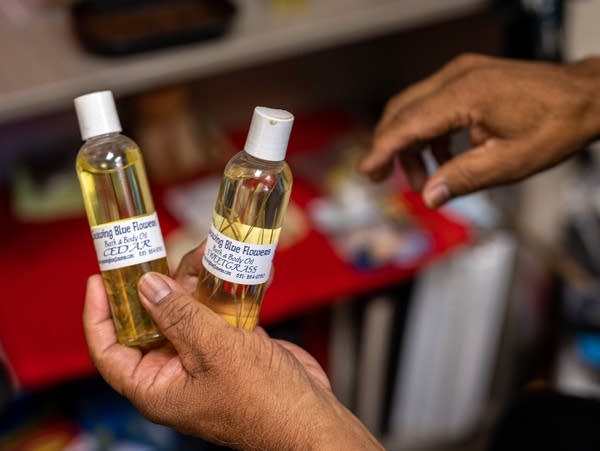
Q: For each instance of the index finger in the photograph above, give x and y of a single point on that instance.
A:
(415, 125)
(421, 89)
(114, 361)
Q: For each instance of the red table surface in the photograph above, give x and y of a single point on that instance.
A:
(44, 267)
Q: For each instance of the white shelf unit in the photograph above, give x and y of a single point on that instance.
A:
(44, 67)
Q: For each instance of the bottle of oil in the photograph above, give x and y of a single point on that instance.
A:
(124, 225)
(246, 221)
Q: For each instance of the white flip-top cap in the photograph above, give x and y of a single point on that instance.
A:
(269, 133)
(97, 114)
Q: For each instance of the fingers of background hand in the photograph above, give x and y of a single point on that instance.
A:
(115, 362)
(440, 148)
(456, 66)
(415, 169)
(195, 331)
(404, 98)
(478, 135)
(383, 172)
(417, 124)
(189, 267)
(495, 162)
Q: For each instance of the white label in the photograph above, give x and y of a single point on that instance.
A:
(128, 242)
(236, 261)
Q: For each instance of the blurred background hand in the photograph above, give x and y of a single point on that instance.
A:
(522, 117)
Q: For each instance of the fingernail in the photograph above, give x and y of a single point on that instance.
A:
(153, 287)
(437, 195)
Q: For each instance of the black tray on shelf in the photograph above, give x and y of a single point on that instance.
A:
(124, 27)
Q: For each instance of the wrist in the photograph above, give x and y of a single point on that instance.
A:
(332, 427)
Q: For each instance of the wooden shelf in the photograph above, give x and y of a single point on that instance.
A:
(44, 67)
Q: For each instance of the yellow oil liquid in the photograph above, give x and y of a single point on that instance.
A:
(115, 187)
(250, 206)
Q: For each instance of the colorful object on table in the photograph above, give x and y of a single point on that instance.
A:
(368, 224)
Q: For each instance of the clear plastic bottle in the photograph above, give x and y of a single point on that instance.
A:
(121, 214)
(246, 221)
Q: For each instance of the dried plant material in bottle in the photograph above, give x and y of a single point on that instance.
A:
(246, 222)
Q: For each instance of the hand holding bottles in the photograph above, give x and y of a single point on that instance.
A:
(215, 381)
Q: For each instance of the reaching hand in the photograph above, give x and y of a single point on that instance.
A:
(217, 382)
(522, 116)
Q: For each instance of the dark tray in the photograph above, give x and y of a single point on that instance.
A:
(124, 27)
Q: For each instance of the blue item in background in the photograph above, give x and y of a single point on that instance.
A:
(588, 347)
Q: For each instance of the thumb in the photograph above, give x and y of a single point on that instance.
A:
(195, 331)
(493, 163)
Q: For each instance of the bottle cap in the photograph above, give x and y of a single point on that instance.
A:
(97, 114)
(269, 133)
